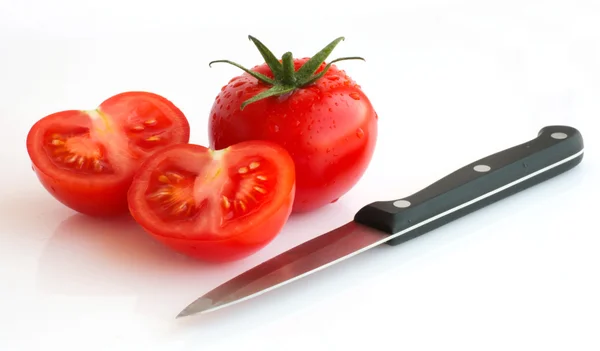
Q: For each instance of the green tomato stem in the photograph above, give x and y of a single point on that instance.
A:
(285, 78)
(289, 73)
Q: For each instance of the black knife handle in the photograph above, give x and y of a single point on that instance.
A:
(555, 150)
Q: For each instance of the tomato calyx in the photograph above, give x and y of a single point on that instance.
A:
(285, 78)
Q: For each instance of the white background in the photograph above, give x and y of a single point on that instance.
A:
(452, 81)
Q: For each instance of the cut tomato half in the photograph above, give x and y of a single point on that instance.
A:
(215, 205)
(87, 158)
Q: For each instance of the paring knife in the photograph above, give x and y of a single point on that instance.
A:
(555, 150)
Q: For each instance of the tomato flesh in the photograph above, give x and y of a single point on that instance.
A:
(214, 205)
(87, 158)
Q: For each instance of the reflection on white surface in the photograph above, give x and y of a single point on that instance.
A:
(89, 257)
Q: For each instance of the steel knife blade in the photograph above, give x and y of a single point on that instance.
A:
(553, 151)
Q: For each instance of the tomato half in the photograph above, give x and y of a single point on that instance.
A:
(87, 158)
(214, 205)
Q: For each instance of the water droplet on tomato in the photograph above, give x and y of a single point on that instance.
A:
(333, 77)
(328, 150)
(274, 128)
(334, 200)
(228, 95)
(228, 107)
(223, 87)
(330, 109)
(355, 96)
(239, 93)
(297, 123)
(336, 104)
(360, 133)
(310, 126)
(214, 116)
(376, 115)
(238, 84)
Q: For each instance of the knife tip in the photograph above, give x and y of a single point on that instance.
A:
(199, 306)
(183, 313)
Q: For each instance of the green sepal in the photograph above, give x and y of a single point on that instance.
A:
(318, 76)
(256, 75)
(285, 78)
(310, 66)
(269, 58)
(276, 90)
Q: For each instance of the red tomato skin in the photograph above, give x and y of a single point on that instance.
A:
(329, 129)
(93, 201)
(93, 197)
(237, 247)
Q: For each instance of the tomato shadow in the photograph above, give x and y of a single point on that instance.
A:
(89, 257)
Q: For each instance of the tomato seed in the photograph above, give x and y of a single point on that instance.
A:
(162, 193)
(182, 207)
(226, 202)
(70, 159)
(260, 189)
(174, 176)
(97, 166)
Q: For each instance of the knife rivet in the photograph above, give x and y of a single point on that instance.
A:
(401, 203)
(482, 168)
(558, 135)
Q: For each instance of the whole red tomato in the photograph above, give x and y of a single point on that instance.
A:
(87, 159)
(315, 111)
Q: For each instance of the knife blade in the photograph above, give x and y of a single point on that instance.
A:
(553, 151)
